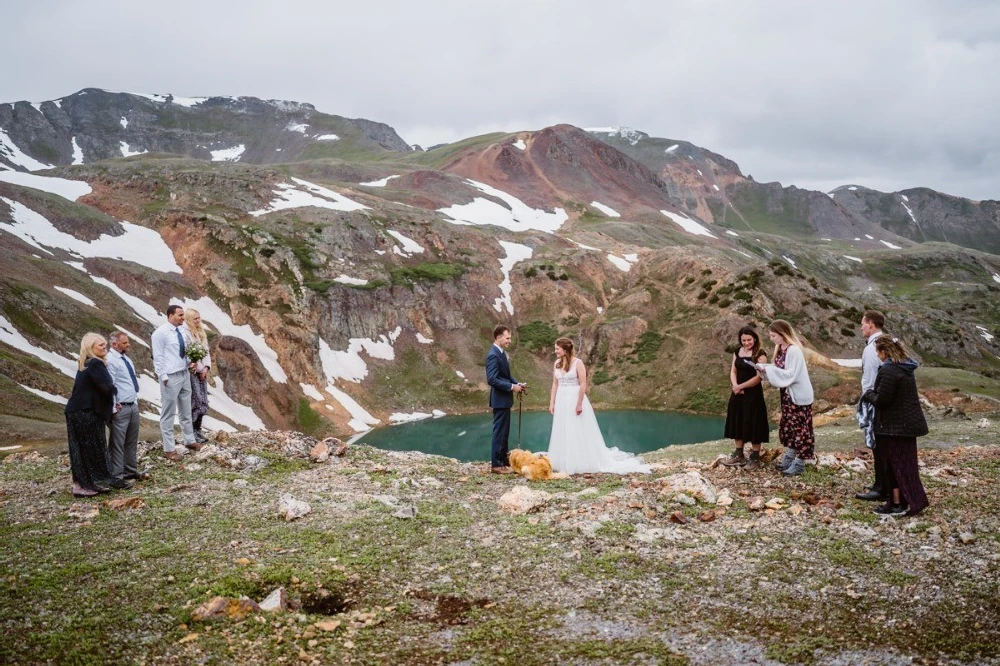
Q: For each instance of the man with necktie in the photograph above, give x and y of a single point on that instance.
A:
(125, 422)
(503, 386)
(171, 365)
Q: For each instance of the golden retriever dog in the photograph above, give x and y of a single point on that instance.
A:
(532, 466)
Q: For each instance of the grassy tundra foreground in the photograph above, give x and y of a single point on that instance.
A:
(603, 570)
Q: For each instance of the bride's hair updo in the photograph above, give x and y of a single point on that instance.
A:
(567, 361)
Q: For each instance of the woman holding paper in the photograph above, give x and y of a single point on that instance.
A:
(790, 374)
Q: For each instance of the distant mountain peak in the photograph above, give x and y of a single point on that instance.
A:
(633, 136)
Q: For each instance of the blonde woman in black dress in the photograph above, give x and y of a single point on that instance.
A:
(746, 417)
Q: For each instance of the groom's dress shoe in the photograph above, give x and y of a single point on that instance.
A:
(501, 470)
(871, 496)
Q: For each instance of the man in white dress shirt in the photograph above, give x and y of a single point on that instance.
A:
(125, 423)
(171, 365)
(871, 327)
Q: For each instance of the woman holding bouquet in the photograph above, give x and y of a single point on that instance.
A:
(197, 352)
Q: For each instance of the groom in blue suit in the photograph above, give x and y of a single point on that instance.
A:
(502, 389)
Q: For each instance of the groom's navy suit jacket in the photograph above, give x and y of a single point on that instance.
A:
(499, 378)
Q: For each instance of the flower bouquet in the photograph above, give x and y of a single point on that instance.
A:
(195, 351)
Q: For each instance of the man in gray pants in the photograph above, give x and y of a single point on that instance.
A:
(171, 366)
(125, 423)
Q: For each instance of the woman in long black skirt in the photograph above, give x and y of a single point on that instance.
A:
(88, 412)
(899, 420)
(746, 417)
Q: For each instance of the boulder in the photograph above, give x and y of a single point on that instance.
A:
(689, 483)
(276, 601)
(320, 452)
(522, 500)
(290, 508)
(225, 607)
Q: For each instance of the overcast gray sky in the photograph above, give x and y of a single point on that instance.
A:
(886, 94)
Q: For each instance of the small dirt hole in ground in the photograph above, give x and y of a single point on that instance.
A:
(326, 602)
(448, 609)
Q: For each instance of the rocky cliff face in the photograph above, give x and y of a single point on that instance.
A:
(342, 292)
(94, 125)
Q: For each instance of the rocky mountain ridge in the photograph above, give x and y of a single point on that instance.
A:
(356, 283)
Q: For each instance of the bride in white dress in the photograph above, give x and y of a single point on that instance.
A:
(576, 444)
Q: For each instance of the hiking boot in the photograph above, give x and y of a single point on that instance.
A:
(735, 459)
(753, 462)
(785, 460)
(797, 467)
(890, 509)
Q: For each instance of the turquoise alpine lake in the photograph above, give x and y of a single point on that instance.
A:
(467, 437)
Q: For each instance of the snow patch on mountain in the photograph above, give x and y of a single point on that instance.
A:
(77, 153)
(515, 216)
(138, 244)
(379, 183)
(13, 154)
(67, 189)
(607, 210)
(76, 296)
(633, 136)
(346, 279)
(361, 420)
(519, 144)
(13, 337)
(410, 247)
(327, 137)
(890, 245)
(688, 225)
(229, 154)
(301, 193)
(515, 252)
(127, 150)
(348, 364)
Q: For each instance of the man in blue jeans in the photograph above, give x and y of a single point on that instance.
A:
(502, 389)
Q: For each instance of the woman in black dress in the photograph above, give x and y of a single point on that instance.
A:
(746, 417)
(88, 411)
(899, 420)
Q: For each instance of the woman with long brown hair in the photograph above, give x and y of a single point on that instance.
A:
(899, 420)
(88, 410)
(746, 414)
(789, 373)
(576, 444)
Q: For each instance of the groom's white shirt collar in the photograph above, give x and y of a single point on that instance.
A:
(500, 348)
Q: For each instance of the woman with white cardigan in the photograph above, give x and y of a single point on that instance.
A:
(789, 373)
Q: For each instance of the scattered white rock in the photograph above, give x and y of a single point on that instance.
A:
(983, 423)
(276, 601)
(522, 500)
(408, 511)
(686, 500)
(691, 483)
(290, 508)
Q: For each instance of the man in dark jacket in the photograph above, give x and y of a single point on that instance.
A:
(503, 386)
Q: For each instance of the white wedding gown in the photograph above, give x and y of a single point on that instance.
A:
(576, 444)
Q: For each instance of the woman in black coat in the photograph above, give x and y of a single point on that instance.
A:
(88, 411)
(899, 420)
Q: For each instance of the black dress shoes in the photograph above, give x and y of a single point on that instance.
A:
(871, 496)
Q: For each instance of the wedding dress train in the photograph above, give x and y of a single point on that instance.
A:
(576, 444)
